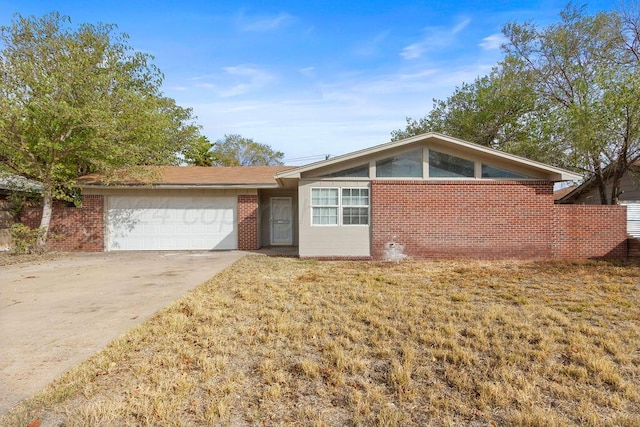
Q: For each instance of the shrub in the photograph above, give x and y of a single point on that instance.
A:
(25, 239)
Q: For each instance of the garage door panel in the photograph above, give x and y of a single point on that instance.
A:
(171, 223)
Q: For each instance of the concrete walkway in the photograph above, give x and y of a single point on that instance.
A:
(56, 314)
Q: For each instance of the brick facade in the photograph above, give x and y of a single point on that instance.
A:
(431, 219)
(489, 219)
(248, 222)
(72, 229)
(590, 231)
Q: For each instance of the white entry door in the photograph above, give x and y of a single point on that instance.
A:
(281, 221)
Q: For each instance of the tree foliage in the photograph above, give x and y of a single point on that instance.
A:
(498, 111)
(567, 94)
(79, 100)
(586, 69)
(234, 150)
(200, 153)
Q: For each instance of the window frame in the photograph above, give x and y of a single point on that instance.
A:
(344, 205)
(325, 206)
(341, 206)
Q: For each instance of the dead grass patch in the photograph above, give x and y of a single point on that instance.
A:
(279, 341)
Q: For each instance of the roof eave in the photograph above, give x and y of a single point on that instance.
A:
(179, 186)
(558, 173)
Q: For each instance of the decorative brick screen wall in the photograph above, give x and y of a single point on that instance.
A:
(247, 222)
(590, 231)
(486, 219)
(72, 229)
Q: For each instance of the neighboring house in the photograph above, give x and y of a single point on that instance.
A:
(588, 193)
(432, 195)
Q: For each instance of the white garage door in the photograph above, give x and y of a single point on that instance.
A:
(171, 223)
(633, 218)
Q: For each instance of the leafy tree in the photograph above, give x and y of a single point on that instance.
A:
(567, 94)
(586, 70)
(498, 110)
(234, 150)
(200, 154)
(79, 100)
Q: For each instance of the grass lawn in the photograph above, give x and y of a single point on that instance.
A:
(276, 341)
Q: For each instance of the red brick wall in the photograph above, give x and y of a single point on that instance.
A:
(590, 231)
(72, 229)
(247, 222)
(481, 219)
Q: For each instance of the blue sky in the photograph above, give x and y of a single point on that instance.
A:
(310, 78)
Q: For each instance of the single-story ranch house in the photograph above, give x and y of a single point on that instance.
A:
(432, 195)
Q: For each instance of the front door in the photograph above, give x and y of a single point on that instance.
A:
(281, 221)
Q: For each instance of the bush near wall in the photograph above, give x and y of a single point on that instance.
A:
(72, 228)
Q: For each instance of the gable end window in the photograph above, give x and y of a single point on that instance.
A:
(491, 172)
(339, 206)
(404, 165)
(361, 171)
(443, 165)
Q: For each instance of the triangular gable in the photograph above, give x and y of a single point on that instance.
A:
(474, 150)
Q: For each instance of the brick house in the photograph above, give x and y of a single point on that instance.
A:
(433, 195)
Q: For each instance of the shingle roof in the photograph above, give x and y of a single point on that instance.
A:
(192, 175)
(559, 194)
(19, 183)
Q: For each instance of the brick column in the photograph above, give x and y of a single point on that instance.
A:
(247, 222)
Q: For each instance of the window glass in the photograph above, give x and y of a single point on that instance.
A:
(355, 216)
(355, 196)
(357, 172)
(491, 172)
(328, 205)
(324, 206)
(446, 166)
(405, 165)
(325, 216)
(355, 202)
(324, 196)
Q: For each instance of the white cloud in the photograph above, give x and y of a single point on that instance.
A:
(307, 71)
(460, 26)
(265, 23)
(435, 38)
(413, 51)
(372, 46)
(235, 80)
(344, 113)
(493, 42)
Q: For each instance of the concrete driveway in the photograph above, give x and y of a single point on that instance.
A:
(56, 314)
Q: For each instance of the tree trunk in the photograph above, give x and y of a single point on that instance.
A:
(615, 187)
(601, 185)
(47, 210)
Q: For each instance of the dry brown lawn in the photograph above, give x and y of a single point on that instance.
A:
(276, 341)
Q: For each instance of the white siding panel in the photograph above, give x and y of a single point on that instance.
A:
(160, 222)
(633, 218)
(329, 240)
